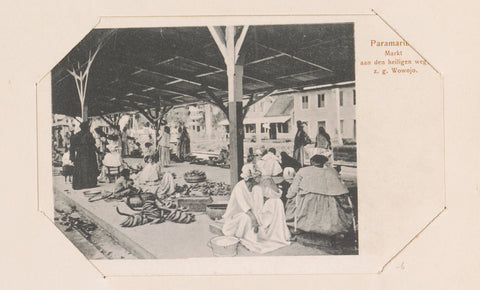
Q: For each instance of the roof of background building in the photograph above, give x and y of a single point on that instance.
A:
(282, 106)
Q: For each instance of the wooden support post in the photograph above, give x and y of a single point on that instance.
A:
(234, 63)
(236, 124)
(235, 95)
(85, 113)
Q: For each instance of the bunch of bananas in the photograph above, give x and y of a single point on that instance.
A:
(133, 220)
(180, 216)
(154, 212)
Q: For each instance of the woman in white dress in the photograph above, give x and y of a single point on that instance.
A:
(258, 223)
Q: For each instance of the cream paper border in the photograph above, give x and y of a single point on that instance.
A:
(396, 115)
(35, 255)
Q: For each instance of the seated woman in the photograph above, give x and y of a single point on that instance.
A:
(318, 200)
(259, 224)
(113, 159)
(150, 172)
(269, 164)
(288, 161)
(123, 185)
(151, 179)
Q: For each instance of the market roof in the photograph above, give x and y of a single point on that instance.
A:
(141, 68)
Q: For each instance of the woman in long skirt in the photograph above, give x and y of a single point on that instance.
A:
(183, 143)
(164, 147)
(82, 154)
(301, 139)
(318, 201)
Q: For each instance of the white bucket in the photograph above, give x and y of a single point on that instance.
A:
(224, 246)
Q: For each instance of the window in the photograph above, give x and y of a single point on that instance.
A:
(304, 102)
(341, 98)
(321, 100)
(282, 127)
(321, 124)
(341, 126)
(354, 98)
(249, 128)
(355, 129)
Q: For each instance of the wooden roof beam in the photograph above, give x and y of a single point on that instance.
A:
(265, 59)
(219, 38)
(177, 78)
(239, 42)
(294, 57)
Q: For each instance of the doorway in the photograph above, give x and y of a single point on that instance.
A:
(273, 131)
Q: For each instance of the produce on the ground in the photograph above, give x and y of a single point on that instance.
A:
(208, 188)
(72, 220)
(156, 211)
(195, 173)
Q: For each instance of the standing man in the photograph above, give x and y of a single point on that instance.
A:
(82, 154)
(301, 139)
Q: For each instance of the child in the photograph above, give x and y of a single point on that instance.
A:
(67, 166)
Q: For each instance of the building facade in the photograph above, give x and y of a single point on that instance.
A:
(331, 107)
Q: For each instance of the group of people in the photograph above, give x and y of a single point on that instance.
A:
(323, 144)
(91, 156)
(278, 197)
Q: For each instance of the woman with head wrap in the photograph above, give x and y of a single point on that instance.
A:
(259, 224)
(301, 139)
(318, 201)
(183, 143)
(287, 161)
(323, 145)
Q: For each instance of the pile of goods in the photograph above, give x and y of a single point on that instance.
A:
(72, 220)
(194, 176)
(155, 212)
(207, 188)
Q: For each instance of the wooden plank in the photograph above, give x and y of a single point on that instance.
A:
(219, 39)
(239, 42)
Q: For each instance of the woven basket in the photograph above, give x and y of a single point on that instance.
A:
(194, 179)
(216, 211)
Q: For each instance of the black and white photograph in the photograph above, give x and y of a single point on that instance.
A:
(207, 141)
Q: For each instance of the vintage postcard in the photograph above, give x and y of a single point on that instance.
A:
(227, 145)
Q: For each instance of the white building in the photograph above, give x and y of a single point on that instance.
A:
(269, 119)
(328, 106)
